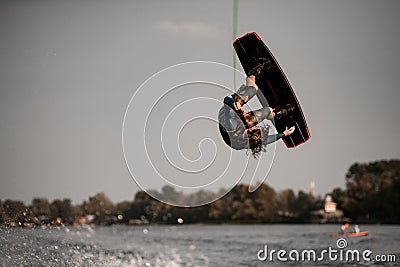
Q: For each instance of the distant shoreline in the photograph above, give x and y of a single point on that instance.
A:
(371, 197)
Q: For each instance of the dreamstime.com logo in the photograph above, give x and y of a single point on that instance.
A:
(170, 136)
(331, 254)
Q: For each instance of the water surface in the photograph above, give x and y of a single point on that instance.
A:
(185, 245)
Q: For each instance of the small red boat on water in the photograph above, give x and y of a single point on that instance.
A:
(363, 233)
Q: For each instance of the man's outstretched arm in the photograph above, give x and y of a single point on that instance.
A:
(275, 137)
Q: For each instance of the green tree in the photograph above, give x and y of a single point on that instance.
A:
(147, 208)
(287, 205)
(372, 191)
(14, 212)
(242, 206)
(265, 203)
(305, 203)
(220, 210)
(40, 208)
(340, 197)
(125, 209)
(1, 213)
(61, 209)
(101, 206)
(169, 195)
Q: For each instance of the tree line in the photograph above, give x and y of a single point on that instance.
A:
(371, 195)
(263, 206)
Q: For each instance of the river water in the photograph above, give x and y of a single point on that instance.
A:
(194, 245)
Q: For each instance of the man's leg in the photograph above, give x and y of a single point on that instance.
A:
(251, 81)
(248, 91)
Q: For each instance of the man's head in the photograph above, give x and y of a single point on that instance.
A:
(255, 141)
(239, 101)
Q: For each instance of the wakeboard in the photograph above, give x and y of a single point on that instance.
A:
(275, 89)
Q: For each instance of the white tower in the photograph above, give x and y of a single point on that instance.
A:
(312, 187)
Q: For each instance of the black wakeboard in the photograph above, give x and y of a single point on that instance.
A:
(275, 89)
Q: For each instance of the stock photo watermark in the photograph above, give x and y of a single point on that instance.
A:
(170, 135)
(339, 253)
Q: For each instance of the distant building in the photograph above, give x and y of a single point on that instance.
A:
(330, 206)
(329, 214)
(312, 187)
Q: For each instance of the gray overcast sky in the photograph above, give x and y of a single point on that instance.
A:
(69, 69)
